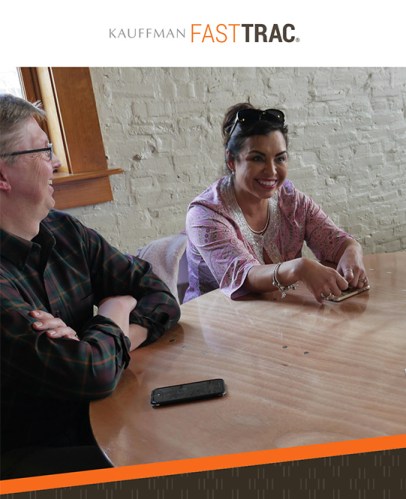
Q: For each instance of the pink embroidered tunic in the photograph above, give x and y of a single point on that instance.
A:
(222, 248)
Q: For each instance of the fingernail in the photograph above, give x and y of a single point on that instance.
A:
(37, 324)
(52, 333)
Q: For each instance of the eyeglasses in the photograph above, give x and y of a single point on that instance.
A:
(250, 116)
(48, 149)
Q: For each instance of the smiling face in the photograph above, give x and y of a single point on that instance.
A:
(260, 168)
(28, 178)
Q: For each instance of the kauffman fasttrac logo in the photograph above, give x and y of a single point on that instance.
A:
(197, 33)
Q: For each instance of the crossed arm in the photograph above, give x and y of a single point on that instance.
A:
(44, 306)
(117, 309)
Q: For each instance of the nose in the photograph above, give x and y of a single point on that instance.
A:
(56, 164)
(271, 166)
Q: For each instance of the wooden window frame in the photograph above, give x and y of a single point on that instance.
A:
(74, 128)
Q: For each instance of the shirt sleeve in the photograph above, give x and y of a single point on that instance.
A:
(114, 274)
(322, 235)
(216, 240)
(34, 363)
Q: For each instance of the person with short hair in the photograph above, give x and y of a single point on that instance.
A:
(247, 230)
(56, 354)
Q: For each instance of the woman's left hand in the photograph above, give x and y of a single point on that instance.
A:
(351, 266)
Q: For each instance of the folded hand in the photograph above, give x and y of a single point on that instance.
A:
(54, 327)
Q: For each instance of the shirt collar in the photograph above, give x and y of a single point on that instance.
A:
(16, 249)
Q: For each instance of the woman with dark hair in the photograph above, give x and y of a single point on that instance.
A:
(246, 231)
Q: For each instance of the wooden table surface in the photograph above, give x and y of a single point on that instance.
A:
(297, 373)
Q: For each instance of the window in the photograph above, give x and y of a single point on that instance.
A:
(9, 81)
(73, 127)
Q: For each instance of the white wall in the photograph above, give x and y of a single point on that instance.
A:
(162, 126)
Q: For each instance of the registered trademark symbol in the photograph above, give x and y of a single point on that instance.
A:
(297, 39)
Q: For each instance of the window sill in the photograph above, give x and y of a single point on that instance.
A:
(82, 189)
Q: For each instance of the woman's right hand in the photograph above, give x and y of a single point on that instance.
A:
(322, 281)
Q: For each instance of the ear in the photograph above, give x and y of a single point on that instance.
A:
(230, 161)
(4, 183)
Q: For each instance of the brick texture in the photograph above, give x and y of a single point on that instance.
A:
(162, 126)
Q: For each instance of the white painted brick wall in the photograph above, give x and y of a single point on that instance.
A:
(162, 126)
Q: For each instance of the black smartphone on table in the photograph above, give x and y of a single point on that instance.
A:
(188, 392)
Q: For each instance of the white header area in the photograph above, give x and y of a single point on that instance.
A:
(209, 33)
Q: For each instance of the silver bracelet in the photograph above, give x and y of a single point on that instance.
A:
(283, 289)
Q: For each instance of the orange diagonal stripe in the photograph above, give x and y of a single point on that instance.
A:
(203, 464)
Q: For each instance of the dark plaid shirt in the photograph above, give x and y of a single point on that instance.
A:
(46, 383)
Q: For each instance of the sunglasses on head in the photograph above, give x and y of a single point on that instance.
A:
(250, 116)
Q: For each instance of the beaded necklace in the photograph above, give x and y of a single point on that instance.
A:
(260, 232)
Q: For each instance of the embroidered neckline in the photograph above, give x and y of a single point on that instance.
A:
(259, 241)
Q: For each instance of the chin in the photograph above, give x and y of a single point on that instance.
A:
(51, 203)
(47, 208)
(268, 194)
